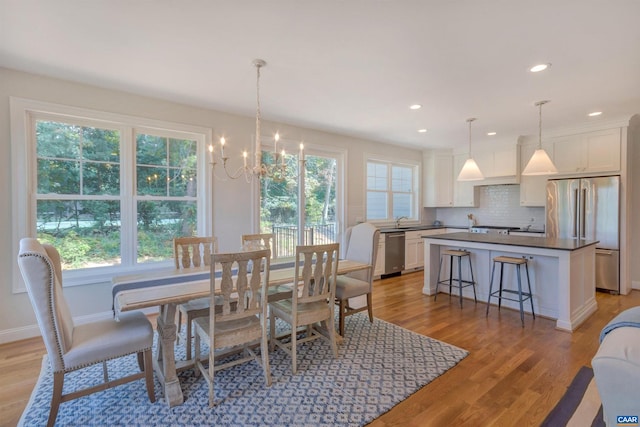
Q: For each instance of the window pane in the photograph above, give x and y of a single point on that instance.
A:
(166, 166)
(376, 205)
(182, 153)
(159, 222)
(100, 144)
(86, 232)
(183, 182)
(320, 195)
(152, 181)
(279, 209)
(58, 177)
(401, 179)
(66, 156)
(151, 150)
(101, 178)
(59, 140)
(376, 176)
(402, 205)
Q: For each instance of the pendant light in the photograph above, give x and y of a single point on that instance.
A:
(470, 171)
(540, 163)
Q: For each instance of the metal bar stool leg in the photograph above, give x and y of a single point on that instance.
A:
(500, 293)
(438, 280)
(473, 281)
(520, 295)
(526, 267)
(450, 274)
(493, 270)
(460, 278)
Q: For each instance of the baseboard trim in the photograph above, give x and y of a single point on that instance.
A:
(31, 331)
(635, 284)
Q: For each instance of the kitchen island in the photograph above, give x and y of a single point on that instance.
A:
(562, 271)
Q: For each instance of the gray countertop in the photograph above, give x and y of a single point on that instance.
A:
(532, 242)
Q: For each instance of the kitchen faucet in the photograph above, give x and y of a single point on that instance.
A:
(399, 219)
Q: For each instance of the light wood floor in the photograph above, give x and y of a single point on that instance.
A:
(513, 376)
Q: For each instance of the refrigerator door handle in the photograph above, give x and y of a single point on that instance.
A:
(575, 214)
(583, 214)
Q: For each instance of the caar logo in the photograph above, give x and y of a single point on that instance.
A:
(627, 420)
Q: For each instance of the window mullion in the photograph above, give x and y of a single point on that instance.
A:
(128, 201)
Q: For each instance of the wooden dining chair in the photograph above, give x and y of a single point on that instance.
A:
(72, 347)
(361, 245)
(313, 305)
(192, 252)
(239, 318)
(257, 241)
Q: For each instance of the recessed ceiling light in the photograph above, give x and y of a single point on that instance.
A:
(491, 133)
(422, 130)
(539, 67)
(595, 113)
(415, 106)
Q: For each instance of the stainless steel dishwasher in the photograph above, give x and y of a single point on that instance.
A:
(394, 253)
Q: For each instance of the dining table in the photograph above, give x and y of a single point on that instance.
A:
(169, 287)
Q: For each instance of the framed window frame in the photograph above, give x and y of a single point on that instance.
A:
(416, 193)
(340, 154)
(24, 113)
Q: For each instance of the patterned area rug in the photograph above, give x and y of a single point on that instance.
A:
(580, 405)
(379, 365)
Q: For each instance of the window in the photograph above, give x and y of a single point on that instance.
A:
(392, 190)
(109, 192)
(281, 211)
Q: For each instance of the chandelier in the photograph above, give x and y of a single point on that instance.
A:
(275, 170)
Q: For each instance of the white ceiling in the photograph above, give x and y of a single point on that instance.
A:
(348, 66)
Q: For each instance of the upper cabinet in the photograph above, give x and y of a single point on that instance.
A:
(578, 154)
(438, 179)
(500, 163)
(441, 169)
(589, 152)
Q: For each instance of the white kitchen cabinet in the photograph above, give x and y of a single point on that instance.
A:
(414, 247)
(438, 179)
(499, 163)
(379, 270)
(464, 192)
(532, 188)
(589, 152)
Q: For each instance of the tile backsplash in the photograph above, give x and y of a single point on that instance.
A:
(498, 205)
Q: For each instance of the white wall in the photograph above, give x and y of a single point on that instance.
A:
(232, 200)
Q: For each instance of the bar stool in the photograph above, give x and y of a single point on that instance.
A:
(521, 296)
(451, 253)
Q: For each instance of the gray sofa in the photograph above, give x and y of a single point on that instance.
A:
(616, 366)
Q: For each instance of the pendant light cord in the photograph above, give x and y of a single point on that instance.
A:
(258, 66)
(540, 126)
(540, 104)
(469, 121)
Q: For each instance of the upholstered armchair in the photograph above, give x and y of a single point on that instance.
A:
(361, 242)
(71, 347)
(616, 366)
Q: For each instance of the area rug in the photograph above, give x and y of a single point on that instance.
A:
(378, 366)
(580, 405)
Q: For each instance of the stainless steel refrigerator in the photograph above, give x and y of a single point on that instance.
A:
(589, 208)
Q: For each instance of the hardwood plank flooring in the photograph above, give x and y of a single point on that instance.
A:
(512, 376)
